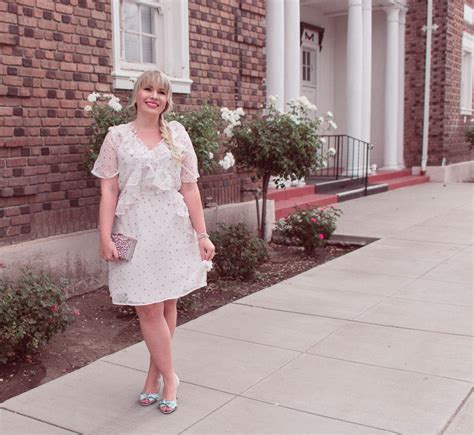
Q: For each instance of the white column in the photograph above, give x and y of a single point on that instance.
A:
(401, 84)
(292, 50)
(275, 27)
(391, 90)
(354, 69)
(366, 69)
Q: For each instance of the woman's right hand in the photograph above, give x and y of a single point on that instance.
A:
(108, 250)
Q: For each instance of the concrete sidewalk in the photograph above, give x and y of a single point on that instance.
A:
(378, 341)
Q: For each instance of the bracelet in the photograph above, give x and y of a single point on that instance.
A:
(202, 236)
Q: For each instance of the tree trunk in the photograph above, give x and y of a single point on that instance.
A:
(263, 226)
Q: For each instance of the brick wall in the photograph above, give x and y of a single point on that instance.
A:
(52, 55)
(446, 135)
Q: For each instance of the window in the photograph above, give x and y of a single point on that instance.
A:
(468, 14)
(141, 33)
(150, 34)
(467, 73)
(308, 66)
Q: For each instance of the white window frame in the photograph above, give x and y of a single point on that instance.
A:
(176, 42)
(466, 73)
(310, 48)
(468, 14)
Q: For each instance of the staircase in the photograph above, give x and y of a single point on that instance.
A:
(326, 192)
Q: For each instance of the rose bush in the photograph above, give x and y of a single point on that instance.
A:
(32, 309)
(204, 127)
(309, 228)
(276, 144)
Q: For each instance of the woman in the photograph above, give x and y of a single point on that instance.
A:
(148, 171)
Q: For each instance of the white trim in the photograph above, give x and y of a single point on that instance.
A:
(176, 41)
(468, 41)
(126, 79)
(466, 73)
(468, 14)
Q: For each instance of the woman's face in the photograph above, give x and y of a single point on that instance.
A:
(151, 99)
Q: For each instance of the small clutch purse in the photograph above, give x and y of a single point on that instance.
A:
(125, 245)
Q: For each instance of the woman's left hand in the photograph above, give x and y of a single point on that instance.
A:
(207, 249)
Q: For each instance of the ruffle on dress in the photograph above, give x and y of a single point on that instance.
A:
(143, 170)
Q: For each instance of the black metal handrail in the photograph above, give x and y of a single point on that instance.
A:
(349, 158)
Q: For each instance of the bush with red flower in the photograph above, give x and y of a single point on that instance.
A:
(32, 309)
(309, 228)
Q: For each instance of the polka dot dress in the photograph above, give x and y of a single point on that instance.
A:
(166, 263)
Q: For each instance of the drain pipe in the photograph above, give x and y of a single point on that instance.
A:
(428, 28)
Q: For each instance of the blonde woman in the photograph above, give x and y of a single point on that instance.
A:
(148, 171)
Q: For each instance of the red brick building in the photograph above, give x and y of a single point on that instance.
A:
(451, 81)
(55, 52)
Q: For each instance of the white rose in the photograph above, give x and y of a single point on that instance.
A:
(87, 108)
(92, 98)
(115, 105)
(211, 155)
(224, 163)
(228, 131)
(331, 151)
(230, 157)
(332, 125)
(272, 99)
(329, 114)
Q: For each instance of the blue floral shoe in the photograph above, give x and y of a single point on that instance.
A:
(169, 406)
(147, 399)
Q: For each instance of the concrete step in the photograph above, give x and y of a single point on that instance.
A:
(290, 199)
(360, 192)
(290, 192)
(285, 207)
(411, 180)
(388, 175)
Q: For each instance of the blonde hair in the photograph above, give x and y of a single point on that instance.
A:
(156, 79)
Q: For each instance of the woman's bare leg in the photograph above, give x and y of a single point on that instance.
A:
(152, 380)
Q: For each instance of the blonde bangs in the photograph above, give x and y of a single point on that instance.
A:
(157, 80)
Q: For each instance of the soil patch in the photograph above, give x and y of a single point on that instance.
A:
(103, 328)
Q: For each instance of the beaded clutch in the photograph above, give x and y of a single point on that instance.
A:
(125, 245)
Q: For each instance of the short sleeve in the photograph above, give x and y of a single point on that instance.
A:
(189, 162)
(106, 165)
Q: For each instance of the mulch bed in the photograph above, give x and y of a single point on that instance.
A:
(102, 328)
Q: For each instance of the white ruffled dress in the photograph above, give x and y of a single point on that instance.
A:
(166, 263)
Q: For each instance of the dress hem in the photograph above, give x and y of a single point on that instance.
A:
(161, 300)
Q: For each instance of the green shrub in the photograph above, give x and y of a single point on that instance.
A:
(309, 228)
(203, 127)
(238, 251)
(32, 310)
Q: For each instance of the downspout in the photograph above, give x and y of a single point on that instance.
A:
(428, 28)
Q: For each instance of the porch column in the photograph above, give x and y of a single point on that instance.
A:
(275, 20)
(401, 81)
(292, 50)
(366, 69)
(391, 89)
(354, 69)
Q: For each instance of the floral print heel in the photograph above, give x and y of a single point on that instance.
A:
(169, 406)
(147, 399)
